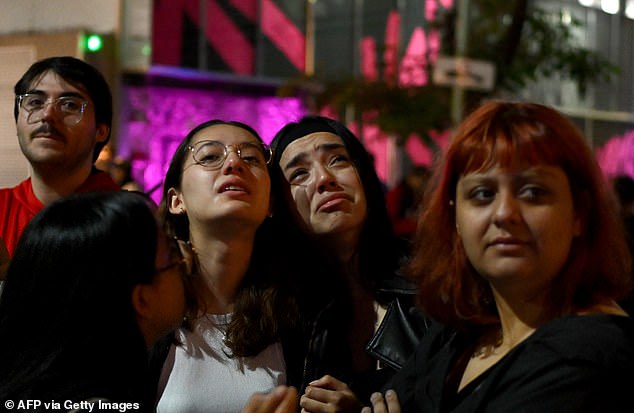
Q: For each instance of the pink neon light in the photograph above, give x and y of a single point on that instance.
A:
(419, 153)
(248, 8)
(392, 38)
(433, 45)
(167, 30)
(412, 71)
(227, 39)
(431, 8)
(369, 67)
(283, 33)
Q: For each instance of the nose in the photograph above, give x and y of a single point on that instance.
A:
(507, 209)
(48, 112)
(233, 161)
(325, 179)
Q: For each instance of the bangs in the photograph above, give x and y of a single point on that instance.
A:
(505, 142)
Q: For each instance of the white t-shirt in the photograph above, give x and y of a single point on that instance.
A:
(198, 376)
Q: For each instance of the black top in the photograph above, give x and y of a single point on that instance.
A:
(572, 364)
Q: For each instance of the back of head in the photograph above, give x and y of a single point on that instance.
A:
(500, 133)
(66, 303)
(81, 75)
(379, 255)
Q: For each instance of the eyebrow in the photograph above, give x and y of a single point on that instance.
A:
(299, 158)
(535, 171)
(63, 94)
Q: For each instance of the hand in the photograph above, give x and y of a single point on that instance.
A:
(281, 399)
(329, 395)
(379, 404)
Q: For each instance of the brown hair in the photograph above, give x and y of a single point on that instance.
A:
(496, 133)
(264, 308)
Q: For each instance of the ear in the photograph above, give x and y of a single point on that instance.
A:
(142, 301)
(102, 132)
(175, 202)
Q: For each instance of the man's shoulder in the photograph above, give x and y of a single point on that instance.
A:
(20, 191)
(99, 181)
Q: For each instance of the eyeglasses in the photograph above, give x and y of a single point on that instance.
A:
(70, 107)
(212, 154)
(184, 255)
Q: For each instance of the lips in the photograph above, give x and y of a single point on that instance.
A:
(508, 245)
(232, 187)
(332, 201)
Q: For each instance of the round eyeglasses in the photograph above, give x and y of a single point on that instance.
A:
(212, 154)
(70, 107)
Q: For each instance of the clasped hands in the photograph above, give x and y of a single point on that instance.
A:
(329, 395)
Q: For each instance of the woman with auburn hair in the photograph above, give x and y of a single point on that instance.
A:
(521, 255)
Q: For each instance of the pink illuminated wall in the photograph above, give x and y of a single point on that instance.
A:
(157, 118)
(409, 70)
(615, 156)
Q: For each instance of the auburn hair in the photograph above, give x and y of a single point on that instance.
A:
(500, 133)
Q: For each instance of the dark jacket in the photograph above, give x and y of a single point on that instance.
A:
(318, 350)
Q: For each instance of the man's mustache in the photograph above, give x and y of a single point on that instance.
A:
(46, 129)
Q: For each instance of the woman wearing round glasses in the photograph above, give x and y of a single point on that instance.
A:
(216, 198)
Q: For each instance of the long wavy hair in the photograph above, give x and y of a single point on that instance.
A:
(68, 329)
(499, 132)
(264, 308)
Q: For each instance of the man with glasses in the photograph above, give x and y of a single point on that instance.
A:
(63, 114)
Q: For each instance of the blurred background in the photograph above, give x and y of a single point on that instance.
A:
(400, 73)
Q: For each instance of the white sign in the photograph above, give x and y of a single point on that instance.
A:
(463, 72)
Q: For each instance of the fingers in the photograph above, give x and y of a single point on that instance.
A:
(289, 401)
(280, 400)
(389, 404)
(318, 400)
(329, 382)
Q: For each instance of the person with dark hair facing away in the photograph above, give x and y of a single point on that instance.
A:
(359, 318)
(216, 199)
(74, 334)
(402, 204)
(63, 114)
(520, 253)
(91, 286)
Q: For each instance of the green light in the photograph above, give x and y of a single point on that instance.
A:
(94, 43)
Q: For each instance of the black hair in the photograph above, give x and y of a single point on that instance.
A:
(67, 325)
(81, 75)
(379, 256)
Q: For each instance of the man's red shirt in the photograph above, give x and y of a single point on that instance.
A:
(18, 205)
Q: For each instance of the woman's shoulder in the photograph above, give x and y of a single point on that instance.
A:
(605, 338)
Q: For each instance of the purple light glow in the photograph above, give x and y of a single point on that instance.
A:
(155, 119)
